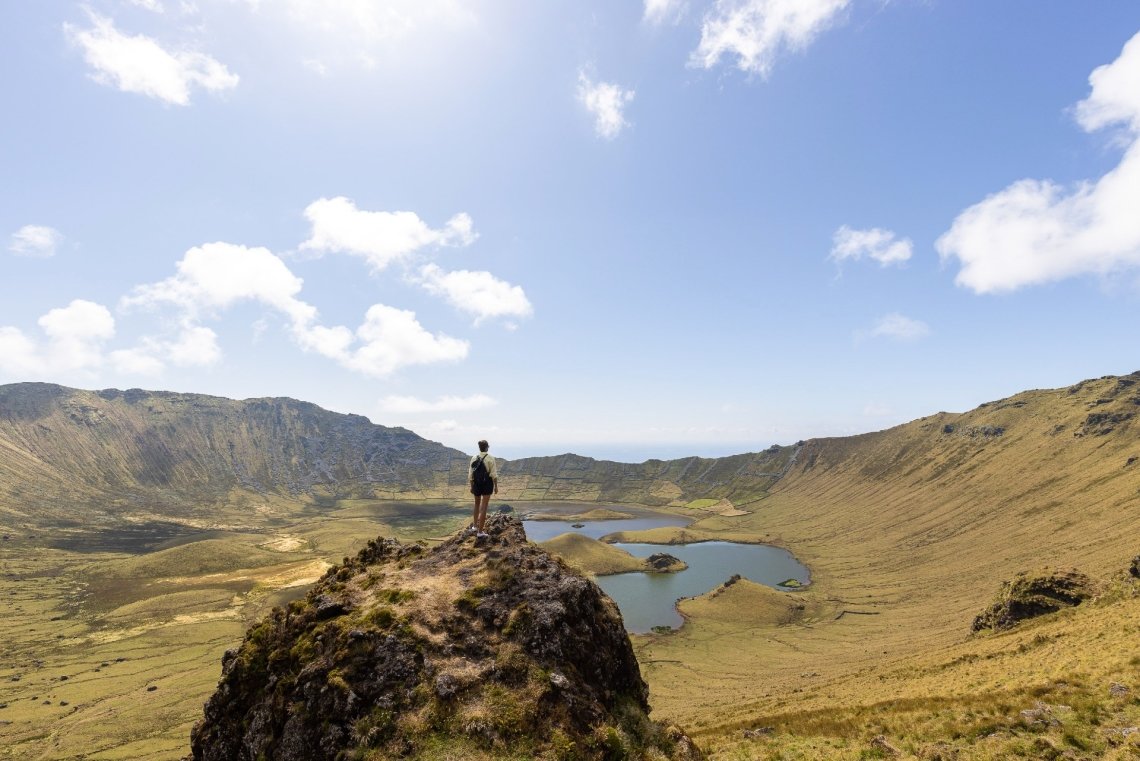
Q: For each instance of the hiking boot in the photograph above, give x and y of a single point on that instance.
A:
(469, 531)
(481, 537)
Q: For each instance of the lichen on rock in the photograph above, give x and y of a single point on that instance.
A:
(457, 651)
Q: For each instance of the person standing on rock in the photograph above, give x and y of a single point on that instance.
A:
(483, 480)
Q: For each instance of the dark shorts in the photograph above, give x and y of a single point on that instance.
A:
(484, 492)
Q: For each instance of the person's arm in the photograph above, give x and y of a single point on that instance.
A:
(470, 474)
(494, 473)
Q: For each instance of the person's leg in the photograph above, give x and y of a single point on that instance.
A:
(481, 518)
(475, 512)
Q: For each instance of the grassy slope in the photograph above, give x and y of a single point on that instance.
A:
(908, 533)
(591, 556)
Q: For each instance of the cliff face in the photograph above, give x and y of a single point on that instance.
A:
(459, 651)
(113, 451)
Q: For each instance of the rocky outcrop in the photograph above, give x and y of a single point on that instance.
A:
(459, 651)
(1035, 594)
(663, 562)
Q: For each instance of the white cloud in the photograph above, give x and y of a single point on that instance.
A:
(412, 404)
(605, 101)
(478, 293)
(392, 338)
(137, 361)
(1036, 231)
(875, 243)
(896, 326)
(663, 11)
(195, 345)
(74, 341)
(140, 65)
(150, 5)
(757, 31)
(380, 237)
(216, 276)
(35, 240)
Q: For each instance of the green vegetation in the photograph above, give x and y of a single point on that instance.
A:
(909, 534)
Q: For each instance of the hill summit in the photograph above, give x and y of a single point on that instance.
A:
(458, 651)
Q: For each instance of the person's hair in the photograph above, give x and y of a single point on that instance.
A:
(484, 446)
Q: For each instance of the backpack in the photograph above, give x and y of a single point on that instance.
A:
(481, 480)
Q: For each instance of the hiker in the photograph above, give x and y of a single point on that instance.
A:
(483, 479)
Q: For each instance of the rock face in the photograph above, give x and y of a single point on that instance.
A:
(1034, 594)
(458, 651)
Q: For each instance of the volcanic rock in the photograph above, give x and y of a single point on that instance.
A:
(1034, 594)
(455, 651)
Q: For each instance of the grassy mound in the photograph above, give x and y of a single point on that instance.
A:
(591, 556)
(195, 559)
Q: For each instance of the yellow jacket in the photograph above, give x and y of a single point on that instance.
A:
(492, 468)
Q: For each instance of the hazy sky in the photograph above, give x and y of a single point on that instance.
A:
(625, 230)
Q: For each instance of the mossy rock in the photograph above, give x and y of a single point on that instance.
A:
(489, 651)
(1032, 594)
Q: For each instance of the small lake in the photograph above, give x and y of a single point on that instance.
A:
(649, 599)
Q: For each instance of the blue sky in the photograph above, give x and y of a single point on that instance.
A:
(627, 230)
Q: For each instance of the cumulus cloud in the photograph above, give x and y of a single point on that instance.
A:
(897, 327)
(875, 243)
(139, 64)
(35, 240)
(412, 404)
(150, 5)
(216, 276)
(757, 31)
(1036, 231)
(392, 338)
(74, 337)
(478, 293)
(663, 11)
(605, 101)
(380, 237)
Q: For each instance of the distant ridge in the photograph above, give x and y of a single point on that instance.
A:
(79, 457)
(74, 455)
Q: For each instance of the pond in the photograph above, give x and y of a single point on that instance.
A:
(647, 600)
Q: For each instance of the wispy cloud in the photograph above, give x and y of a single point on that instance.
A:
(881, 245)
(1036, 231)
(606, 101)
(895, 326)
(414, 405)
(35, 240)
(663, 11)
(139, 64)
(756, 32)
